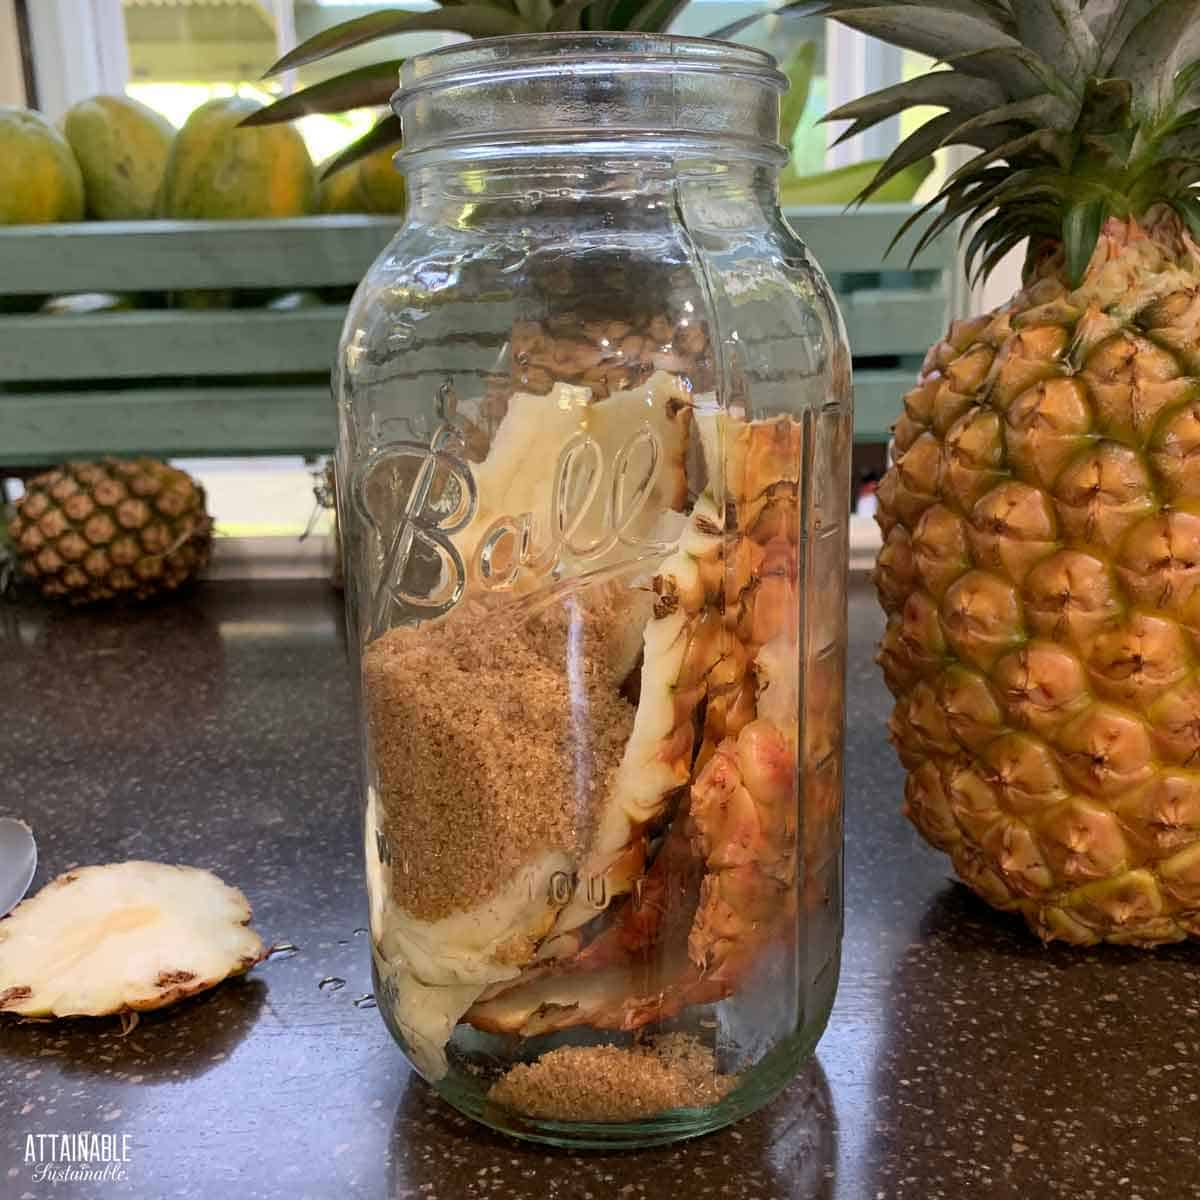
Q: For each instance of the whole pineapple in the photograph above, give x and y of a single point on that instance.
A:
(93, 531)
(1041, 560)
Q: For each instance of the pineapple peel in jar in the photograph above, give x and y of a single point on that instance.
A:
(586, 496)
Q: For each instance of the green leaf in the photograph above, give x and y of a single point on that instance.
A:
(369, 85)
(1023, 216)
(1019, 71)
(599, 16)
(853, 130)
(1111, 149)
(386, 133)
(568, 16)
(935, 227)
(1043, 140)
(475, 20)
(947, 89)
(954, 203)
(1106, 106)
(918, 145)
(988, 138)
(997, 225)
(1055, 30)
(1188, 208)
(1187, 86)
(997, 253)
(991, 11)
(621, 12)
(980, 138)
(1099, 15)
(535, 13)
(999, 191)
(1121, 24)
(657, 16)
(799, 72)
(1172, 177)
(1002, 231)
(1159, 46)
(1081, 225)
(946, 216)
(994, 14)
(1043, 112)
(936, 32)
(1022, 186)
(1185, 124)
(725, 33)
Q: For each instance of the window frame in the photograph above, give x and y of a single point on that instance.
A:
(77, 49)
(854, 66)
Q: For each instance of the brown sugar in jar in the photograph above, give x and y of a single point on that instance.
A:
(492, 741)
(614, 1083)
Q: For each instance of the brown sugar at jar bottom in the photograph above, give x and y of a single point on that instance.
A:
(613, 1083)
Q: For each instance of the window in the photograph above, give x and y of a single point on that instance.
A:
(184, 52)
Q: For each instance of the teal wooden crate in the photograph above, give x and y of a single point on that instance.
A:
(255, 381)
(175, 381)
(894, 310)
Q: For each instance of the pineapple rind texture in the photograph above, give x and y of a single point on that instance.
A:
(90, 531)
(1040, 572)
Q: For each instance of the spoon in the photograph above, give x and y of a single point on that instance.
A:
(18, 862)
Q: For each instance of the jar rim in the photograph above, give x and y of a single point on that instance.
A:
(448, 65)
(583, 92)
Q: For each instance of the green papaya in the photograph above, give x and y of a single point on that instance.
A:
(40, 181)
(371, 185)
(122, 149)
(218, 169)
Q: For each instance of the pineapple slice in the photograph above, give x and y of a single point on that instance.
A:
(728, 603)
(433, 971)
(682, 643)
(126, 936)
(518, 474)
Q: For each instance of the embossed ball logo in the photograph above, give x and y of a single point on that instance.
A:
(598, 516)
(583, 480)
(426, 523)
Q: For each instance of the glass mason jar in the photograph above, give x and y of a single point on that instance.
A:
(593, 478)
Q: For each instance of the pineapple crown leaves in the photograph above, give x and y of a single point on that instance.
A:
(373, 85)
(1093, 107)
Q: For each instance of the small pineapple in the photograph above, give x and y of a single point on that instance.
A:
(93, 531)
(1041, 560)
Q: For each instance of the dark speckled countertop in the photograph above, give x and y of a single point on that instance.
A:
(963, 1060)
